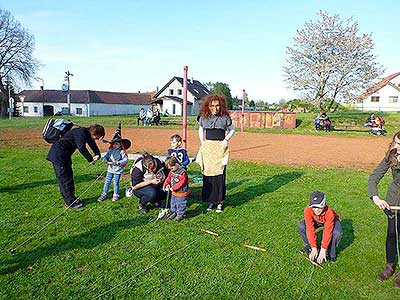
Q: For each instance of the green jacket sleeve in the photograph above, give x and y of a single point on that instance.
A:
(376, 177)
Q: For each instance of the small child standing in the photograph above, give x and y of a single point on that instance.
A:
(116, 158)
(177, 182)
(176, 151)
(319, 214)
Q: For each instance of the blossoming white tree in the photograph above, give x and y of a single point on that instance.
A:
(331, 61)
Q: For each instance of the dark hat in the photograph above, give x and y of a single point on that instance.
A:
(118, 138)
(317, 199)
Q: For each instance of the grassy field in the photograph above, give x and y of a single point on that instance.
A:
(349, 123)
(111, 251)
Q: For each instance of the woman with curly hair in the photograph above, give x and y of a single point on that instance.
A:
(214, 121)
(390, 161)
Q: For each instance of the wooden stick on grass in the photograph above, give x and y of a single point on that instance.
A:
(314, 263)
(394, 207)
(255, 248)
(210, 232)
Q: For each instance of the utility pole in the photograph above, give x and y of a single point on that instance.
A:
(42, 88)
(67, 74)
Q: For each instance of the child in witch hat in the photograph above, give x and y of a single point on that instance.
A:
(116, 158)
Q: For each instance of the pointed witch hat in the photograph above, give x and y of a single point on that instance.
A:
(118, 138)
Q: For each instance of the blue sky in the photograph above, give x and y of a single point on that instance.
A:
(135, 45)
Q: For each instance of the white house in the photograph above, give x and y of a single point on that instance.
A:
(169, 98)
(383, 96)
(85, 103)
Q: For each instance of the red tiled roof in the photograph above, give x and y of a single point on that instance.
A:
(87, 96)
(376, 87)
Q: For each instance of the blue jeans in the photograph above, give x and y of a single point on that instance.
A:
(109, 178)
(178, 205)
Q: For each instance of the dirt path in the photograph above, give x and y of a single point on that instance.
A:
(279, 149)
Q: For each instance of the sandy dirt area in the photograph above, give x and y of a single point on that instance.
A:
(280, 149)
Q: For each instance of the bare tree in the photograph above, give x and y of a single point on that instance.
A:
(17, 63)
(330, 61)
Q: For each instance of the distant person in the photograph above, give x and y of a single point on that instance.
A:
(177, 151)
(149, 117)
(317, 123)
(156, 117)
(319, 214)
(326, 122)
(141, 117)
(390, 161)
(60, 155)
(178, 183)
(116, 158)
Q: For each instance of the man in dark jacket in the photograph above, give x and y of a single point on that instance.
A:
(60, 155)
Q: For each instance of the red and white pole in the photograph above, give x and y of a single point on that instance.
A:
(242, 123)
(184, 106)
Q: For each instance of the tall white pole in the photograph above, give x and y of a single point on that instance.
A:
(184, 106)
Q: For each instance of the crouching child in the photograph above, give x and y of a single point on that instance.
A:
(319, 214)
(177, 182)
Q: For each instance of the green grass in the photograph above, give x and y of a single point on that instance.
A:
(112, 246)
(305, 123)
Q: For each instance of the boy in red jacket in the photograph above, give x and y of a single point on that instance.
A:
(177, 182)
(319, 214)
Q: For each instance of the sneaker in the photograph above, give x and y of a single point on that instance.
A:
(172, 216)
(179, 218)
(210, 207)
(142, 209)
(305, 250)
(102, 197)
(387, 272)
(220, 208)
(115, 198)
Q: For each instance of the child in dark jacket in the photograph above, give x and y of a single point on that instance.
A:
(177, 182)
(179, 153)
(319, 214)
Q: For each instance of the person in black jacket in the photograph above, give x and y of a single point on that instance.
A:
(60, 155)
(147, 177)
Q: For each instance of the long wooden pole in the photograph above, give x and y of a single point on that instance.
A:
(184, 106)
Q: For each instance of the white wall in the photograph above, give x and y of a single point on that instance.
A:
(175, 85)
(383, 94)
(101, 109)
(94, 109)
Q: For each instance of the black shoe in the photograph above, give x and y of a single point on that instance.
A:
(77, 205)
(210, 207)
(305, 250)
(172, 216)
(143, 210)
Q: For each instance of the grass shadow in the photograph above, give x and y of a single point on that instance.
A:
(31, 185)
(347, 234)
(88, 240)
(268, 185)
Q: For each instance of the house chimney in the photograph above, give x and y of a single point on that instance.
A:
(157, 88)
(191, 80)
(138, 92)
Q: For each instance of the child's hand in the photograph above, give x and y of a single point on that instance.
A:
(322, 256)
(115, 163)
(167, 188)
(314, 253)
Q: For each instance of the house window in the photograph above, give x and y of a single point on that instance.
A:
(171, 92)
(35, 109)
(393, 99)
(179, 91)
(375, 99)
(173, 109)
(79, 110)
(26, 109)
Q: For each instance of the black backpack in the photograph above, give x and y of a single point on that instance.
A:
(55, 129)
